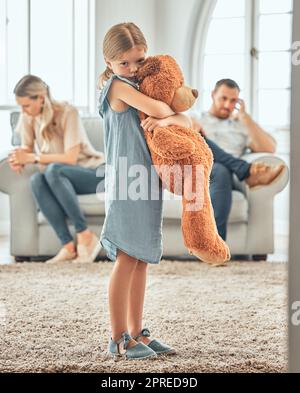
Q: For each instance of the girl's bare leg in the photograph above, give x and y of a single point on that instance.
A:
(118, 293)
(136, 300)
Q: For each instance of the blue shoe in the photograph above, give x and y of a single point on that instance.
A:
(158, 347)
(137, 352)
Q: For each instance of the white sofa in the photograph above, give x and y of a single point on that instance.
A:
(250, 228)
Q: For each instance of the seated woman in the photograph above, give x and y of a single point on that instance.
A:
(67, 165)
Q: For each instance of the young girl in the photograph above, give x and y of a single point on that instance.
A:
(131, 233)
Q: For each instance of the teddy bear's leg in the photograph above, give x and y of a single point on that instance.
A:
(198, 223)
(169, 144)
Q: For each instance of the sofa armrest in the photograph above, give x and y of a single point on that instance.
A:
(261, 206)
(23, 211)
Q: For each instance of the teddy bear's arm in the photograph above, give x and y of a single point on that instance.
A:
(168, 144)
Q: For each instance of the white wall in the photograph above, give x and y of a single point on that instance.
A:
(173, 23)
(166, 25)
(111, 12)
(294, 251)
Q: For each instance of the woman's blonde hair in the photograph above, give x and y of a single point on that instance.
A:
(119, 39)
(32, 86)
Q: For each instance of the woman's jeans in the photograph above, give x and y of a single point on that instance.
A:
(56, 190)
(221, 183)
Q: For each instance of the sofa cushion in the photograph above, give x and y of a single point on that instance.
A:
(239, 210)
(93, 205)
(15, 137)
(92, 126)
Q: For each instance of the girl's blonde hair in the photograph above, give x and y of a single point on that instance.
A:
(119, 39)
(32, 86)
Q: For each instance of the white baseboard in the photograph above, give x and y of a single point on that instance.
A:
(4, 228)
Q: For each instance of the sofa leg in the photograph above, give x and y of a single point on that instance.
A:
(22, 259)
(259, 257)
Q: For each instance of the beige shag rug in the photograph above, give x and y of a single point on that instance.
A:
(226, 319)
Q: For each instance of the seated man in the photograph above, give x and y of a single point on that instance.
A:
(228, 136)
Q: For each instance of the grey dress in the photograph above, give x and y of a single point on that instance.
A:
(133, 203)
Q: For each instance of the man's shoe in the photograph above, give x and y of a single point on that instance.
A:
(262, 175)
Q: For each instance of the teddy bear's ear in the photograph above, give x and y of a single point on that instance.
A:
(150, 67)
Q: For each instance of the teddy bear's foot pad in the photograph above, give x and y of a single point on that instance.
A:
(209, 258)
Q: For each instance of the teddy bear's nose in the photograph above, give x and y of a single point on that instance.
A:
(195, 93)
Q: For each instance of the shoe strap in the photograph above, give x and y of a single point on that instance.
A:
(144, 333)
(126, 338)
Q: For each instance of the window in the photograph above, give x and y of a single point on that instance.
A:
(236, 27)
(51, 45)
(274, 62)
(49, 38)
(224, 53)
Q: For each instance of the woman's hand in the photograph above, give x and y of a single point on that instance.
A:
(20, 157)
(152, 122)
(16, 167)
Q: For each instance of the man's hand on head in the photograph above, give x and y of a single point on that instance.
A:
(241, 113)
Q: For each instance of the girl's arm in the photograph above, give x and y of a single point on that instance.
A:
(178, 119)
(196, 126)
(132, 97)
(70, 157)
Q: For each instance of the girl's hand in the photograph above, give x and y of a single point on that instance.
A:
(202, 132)
(152, 122)
(196, 126)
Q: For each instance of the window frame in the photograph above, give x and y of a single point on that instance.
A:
(254, 88)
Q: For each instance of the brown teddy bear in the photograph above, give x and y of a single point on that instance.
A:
(182, 159)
